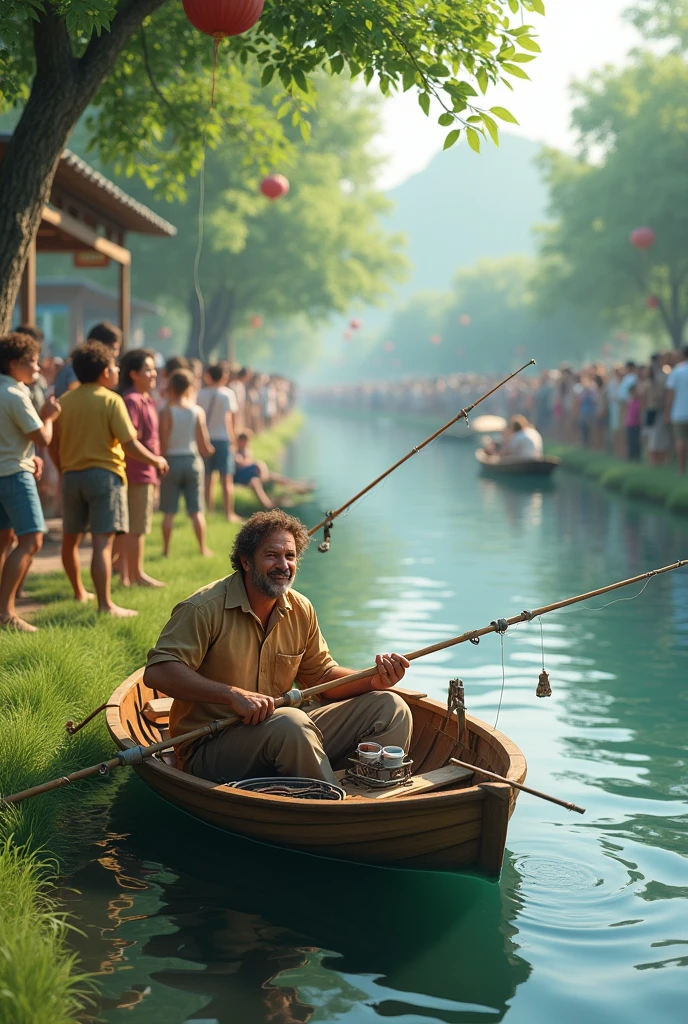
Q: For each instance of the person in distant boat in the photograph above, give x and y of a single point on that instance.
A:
(239, 643)
(521, 441)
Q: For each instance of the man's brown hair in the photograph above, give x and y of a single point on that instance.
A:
(259, 527)
(106, 333)
(17, 346)
(179, 382)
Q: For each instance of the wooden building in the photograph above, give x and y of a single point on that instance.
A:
(88, 216)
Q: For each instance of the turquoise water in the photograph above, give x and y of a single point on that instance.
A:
(590, 918)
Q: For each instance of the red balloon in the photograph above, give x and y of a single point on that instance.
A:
(220, 18)
(435, 339)
(652, 302)
(274, 186)
(464, 320)
(256, 321)
(164, 333)
(354, 324)
(643, 238)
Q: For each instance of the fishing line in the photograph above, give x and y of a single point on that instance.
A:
(601, 607)
(501, 694)
(197, 258)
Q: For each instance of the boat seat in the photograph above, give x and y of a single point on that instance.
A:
(169, 758)
(157, 710)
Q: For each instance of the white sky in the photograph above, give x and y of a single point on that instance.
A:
(576, 36)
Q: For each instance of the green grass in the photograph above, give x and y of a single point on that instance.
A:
(73, 664)
(635, 480)
(40, 981)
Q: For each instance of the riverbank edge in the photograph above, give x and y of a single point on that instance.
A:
(657, 484)
(41, 981)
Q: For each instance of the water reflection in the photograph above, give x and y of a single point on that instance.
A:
(231, 930)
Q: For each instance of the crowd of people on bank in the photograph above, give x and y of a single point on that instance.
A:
(110, 438)
(633, 410)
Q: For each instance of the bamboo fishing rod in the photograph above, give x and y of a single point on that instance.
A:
(136, 754)
(519, 785)
(463, 414)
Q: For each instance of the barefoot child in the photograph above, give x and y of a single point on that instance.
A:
(87, 448)
(184, 441)
(20, 508)
(137, 379)
(254, 473)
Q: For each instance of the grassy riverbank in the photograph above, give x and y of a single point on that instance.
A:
(62, 672)
(635, 480)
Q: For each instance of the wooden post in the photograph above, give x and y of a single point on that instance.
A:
(125, 302)
(231, 348)
(27, 297)
(495, 821)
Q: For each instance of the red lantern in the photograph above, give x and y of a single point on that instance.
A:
(652, 302)
(274, 186)
(346, 335)
(220, 18)
(256, 321)
(643, 238)
(464, 320)
(388, 346)
(435, 339)
(164, 333)
(354, 324)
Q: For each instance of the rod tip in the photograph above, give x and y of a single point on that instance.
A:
(532, 363)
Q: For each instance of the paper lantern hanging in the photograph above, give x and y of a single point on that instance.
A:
(354, 324)
(652, 302)
(435, 339)
(274, 186)
(464, 320)
(221, 18)
(256, 321)
(164, 333)
(643, 238)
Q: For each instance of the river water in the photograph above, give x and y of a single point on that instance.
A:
(590, 918)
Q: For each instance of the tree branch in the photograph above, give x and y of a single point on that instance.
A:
(52, 45)
(102, 51)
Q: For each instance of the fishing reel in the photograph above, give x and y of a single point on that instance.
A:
(324, 545)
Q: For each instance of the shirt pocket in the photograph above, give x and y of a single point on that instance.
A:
(285, 670)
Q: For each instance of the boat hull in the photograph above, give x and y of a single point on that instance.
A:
(492, 465)
(456, 829)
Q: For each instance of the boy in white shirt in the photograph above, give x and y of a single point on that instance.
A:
(677, 409)
(221, 409)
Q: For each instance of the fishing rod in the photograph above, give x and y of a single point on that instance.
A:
(134, 755)
(328, 521)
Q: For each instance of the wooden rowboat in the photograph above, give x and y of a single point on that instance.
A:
(460, 824)
(494, 465)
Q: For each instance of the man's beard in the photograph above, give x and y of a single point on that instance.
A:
(273, 584)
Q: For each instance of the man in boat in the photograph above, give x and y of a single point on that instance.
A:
(239, 643)
(521, 441)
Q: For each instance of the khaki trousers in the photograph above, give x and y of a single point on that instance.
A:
(307, 744)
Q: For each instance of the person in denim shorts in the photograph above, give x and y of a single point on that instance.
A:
(88, 448)
(21, 427)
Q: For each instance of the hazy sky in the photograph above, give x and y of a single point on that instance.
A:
(576, 36)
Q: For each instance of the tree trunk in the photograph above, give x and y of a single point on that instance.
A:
(62, 89)
(219, 310)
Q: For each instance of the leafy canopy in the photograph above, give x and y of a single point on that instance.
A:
(634, 123)
(149, 112)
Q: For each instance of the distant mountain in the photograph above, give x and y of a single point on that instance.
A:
(464, 207)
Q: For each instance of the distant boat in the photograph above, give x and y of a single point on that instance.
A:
(495, 465)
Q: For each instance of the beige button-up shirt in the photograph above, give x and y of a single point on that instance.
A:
(216, 633)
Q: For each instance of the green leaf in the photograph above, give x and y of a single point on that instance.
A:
(529, 44)
(300, 80)
(516, 71)
(451, 138)
(446, 119)
(513, 6)
(492, 128)
(424, 103)
(305, 129)
(438, 70)
(268, 72)
(482, 80)
(473, 139)
(504, 114)
(537, 6)
(522, 58)
(337, 63)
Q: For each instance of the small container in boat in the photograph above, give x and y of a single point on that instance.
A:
(369, 752)
(392, 757)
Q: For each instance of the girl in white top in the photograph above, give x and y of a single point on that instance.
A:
(185, 443)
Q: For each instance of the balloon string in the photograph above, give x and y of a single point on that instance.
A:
(216, 44)
(197, 257)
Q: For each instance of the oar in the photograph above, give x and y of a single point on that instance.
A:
(137, 754)
(518, 785)
(463, 414)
